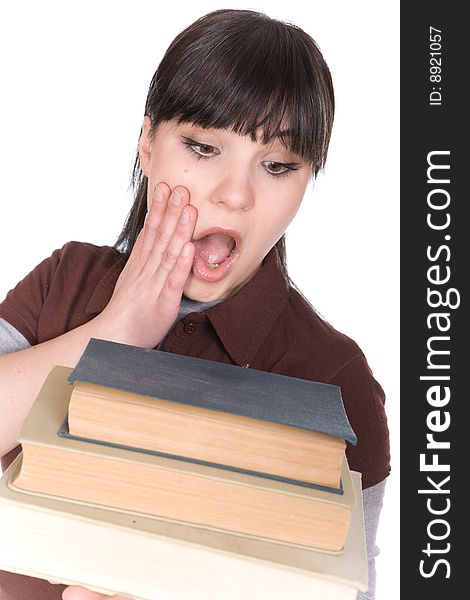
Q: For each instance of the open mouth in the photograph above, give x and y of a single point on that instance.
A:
(216, 251)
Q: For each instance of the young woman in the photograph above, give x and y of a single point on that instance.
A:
(237, 121)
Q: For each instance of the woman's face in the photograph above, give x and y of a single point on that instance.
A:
(246, 194)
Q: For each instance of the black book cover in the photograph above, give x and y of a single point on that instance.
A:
(215, 386)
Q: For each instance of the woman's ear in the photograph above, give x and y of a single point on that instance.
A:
(145, 146)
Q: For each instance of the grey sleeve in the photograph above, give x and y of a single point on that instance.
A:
(11, 340)
(372, 499)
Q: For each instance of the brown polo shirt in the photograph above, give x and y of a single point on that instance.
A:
(267, 325)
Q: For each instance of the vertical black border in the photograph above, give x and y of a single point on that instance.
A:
(426, 128)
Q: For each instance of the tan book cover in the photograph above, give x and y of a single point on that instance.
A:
(248, 418)
(170, 488)
(174, 428)
(146, 558)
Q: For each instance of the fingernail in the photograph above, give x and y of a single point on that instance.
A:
(185, 251)
(176, 198)
(159, 195)
(184, 217)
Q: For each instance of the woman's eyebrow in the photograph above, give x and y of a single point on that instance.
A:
(280, 137)
(284, 137)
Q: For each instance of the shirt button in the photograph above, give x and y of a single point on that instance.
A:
(189, 328)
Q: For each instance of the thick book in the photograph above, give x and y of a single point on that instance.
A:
(181, 490)
(209, 411)
(147, 558)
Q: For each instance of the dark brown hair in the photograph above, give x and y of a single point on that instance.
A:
(243, 71)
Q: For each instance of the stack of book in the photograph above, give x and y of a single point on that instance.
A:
(164, 476)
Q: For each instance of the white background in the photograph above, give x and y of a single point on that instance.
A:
(74, 78)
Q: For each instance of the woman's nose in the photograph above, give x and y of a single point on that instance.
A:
(235, 190)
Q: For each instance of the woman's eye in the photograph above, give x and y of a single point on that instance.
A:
(200, 150)
(277, 169)
(273, 168)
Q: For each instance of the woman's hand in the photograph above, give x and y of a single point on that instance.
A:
(79, 593)
(148, 293)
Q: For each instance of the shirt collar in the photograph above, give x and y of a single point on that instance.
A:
(243, 321)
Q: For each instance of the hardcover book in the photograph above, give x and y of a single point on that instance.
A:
(145, 558)
(208, 411)
(206, 496)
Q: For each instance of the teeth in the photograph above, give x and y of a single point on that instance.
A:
(213, 265)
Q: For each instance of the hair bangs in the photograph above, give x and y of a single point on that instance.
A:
(260, 81)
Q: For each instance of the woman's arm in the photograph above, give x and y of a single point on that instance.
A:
(23, 372)
(142, 308)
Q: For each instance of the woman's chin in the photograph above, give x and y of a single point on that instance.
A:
(203, 291)
(200, 286)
